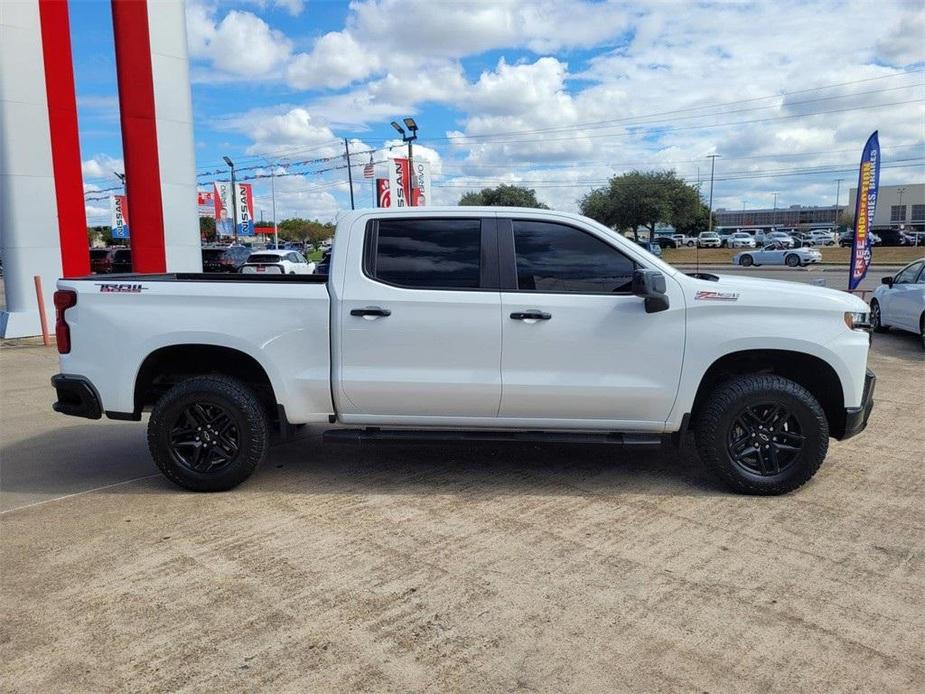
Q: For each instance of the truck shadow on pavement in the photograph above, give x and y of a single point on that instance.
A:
(82, 458)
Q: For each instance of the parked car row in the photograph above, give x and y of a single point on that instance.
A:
(215, 258)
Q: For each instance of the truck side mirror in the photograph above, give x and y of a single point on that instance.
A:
(650, 285)
(887, 281)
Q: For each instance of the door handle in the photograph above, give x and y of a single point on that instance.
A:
(371, 311)
(531, 315)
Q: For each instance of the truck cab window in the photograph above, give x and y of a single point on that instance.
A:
(428, 253)
(559, 258)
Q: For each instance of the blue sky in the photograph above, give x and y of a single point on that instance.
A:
(550, 94)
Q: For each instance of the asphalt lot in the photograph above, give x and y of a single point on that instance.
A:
(450, 568)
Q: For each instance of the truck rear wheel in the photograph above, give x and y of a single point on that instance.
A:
(208, 433)
(762, 434)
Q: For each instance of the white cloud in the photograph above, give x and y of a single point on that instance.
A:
(241, 44)
(102, 166)
(663, 89)
(335, 61)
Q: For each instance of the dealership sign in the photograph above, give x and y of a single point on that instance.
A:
(119, 208)
(865, 207)
(224, 210)
(400, 188)
(383, 197)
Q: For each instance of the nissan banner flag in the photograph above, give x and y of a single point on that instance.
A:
(383, 197)
(421, 192)
(399, 184)
(865, 206)
(245, 201)
(223, 209)
(119, 217)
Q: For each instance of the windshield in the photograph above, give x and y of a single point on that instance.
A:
(213, 254)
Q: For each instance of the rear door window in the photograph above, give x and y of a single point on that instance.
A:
(427, 253)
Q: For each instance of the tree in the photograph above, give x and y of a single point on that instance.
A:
(99, 234)
(504, 196)
(207, 228)
(645, 198)
(298, 229)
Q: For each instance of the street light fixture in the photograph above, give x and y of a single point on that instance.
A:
(234, 204)
(409, 138)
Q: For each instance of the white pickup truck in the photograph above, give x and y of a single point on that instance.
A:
(470, 323)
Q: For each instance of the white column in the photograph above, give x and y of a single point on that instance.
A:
(175, 145)
(29, 237)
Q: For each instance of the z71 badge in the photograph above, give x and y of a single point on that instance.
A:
(121, 288)
(716, 296)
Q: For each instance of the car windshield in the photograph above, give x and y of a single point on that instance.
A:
(213, 253)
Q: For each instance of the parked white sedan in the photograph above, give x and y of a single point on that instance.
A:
(281, 262)
(741, 239)
(900, 301)
(775, 253)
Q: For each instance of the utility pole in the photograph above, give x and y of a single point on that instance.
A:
(273, 196)
(774, 213)
(234, 201)
(712, 158)
(837, 193)
(349, 172)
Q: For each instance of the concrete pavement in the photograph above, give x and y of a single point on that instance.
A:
(457, 568)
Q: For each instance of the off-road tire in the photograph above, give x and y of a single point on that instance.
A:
(241, 405)
(718, 414)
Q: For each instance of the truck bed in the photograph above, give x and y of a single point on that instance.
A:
(280, 321)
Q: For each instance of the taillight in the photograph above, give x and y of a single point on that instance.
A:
(64, 299)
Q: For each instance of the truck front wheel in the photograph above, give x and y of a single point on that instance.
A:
(208, 433)
(762, 434)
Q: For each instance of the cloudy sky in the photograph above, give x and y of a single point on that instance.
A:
(557, 95)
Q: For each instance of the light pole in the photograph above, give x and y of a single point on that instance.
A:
(837, 193)
(712, 158)
(774, 213)
(409, 138)
(900, 191)
(273, 198)
(234, 201)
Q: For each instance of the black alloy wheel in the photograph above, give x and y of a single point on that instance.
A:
(792, 260)
(204, 438)
(765, 439)
(746, 261)
(208, 433)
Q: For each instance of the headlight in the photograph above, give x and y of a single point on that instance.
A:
(857, 321)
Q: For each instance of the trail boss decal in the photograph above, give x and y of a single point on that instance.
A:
(716, 296)
(121, 288)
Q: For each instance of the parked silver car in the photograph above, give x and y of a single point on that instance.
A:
(775, 253)
(900, 301)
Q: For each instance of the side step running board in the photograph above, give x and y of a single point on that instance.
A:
(438, 436)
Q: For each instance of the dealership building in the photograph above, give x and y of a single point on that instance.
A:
(896, 206)
(900, 206)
